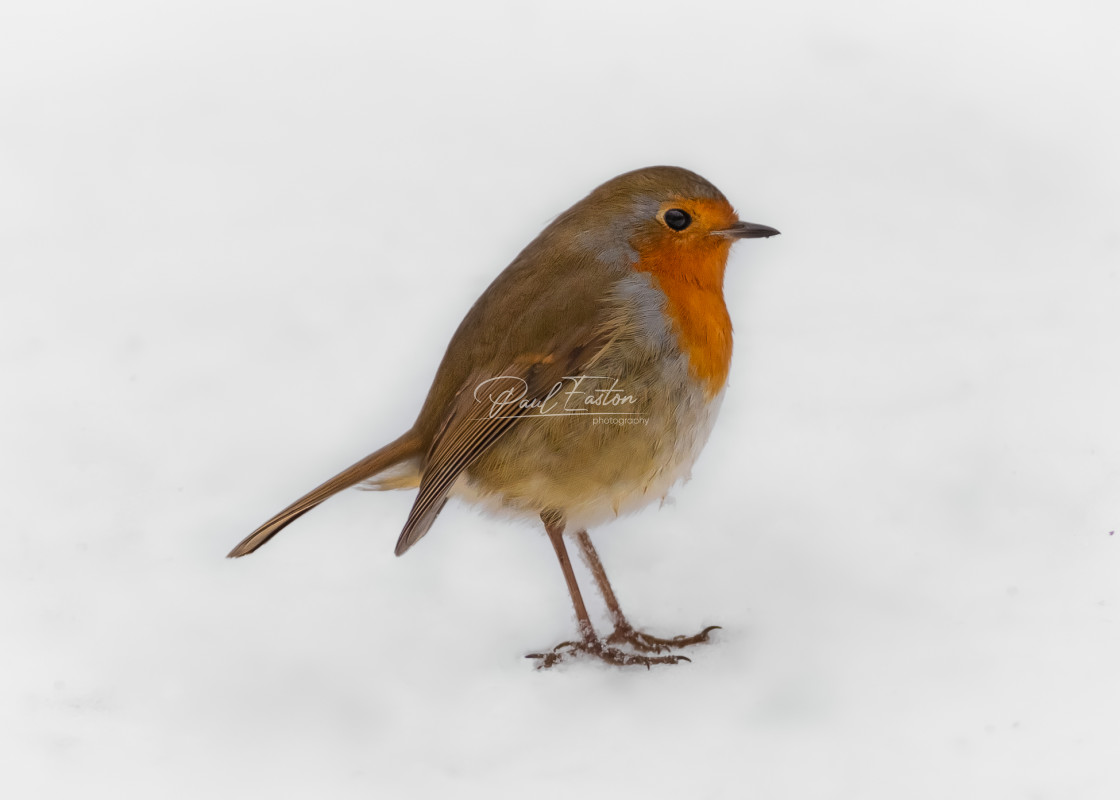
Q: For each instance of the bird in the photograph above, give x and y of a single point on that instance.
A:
(580, 386)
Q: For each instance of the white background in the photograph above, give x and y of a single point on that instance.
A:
(235, 239)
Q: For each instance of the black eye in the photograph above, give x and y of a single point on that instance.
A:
(677, 219)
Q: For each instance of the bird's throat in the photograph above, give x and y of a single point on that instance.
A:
(692, 280)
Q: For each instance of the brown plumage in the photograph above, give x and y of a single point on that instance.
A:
(619, 300)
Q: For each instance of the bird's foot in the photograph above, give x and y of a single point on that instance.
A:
(624, 634)
(597, 649)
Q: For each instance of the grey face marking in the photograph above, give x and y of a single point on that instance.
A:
(611, 243)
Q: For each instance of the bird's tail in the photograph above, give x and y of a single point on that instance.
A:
(395, 453)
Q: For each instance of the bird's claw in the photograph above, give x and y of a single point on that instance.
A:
(603, 652)
(624, 634)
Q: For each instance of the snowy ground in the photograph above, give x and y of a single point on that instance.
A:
(235, 239)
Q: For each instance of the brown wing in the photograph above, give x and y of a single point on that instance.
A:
(469, 430)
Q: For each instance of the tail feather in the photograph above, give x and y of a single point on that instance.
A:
(402, 449)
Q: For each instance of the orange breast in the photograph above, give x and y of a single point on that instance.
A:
(691, 275)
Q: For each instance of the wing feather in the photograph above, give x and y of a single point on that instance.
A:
(468, 430)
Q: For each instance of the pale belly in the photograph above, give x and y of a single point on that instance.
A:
(604, 461)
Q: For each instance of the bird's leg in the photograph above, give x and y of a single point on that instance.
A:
(589, 643)
(624, 633)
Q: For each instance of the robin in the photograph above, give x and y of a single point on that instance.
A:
(581, 385)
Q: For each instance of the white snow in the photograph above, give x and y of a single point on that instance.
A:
(235, 238)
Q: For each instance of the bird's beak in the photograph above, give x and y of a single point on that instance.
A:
(747, 230)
